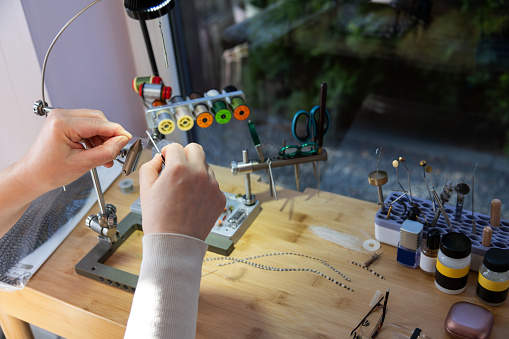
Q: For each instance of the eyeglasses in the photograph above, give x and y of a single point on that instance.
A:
(378, 327)
(291, 151)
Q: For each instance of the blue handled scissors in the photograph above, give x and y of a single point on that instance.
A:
(311, 124)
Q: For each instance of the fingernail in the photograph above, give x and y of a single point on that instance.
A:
(122, 141)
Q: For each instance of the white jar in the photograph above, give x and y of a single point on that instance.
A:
(453, 264)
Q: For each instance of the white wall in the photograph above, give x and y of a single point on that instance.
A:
(91, 66)
(20, 84)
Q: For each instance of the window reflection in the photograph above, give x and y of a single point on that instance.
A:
(425, 80)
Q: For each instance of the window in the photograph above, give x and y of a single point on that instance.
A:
(423, 80)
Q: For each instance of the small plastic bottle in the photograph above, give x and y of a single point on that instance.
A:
(429, 252)
(453, 263)
(409, 247)
(493, 280)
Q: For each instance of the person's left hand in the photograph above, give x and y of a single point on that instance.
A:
(58, 156)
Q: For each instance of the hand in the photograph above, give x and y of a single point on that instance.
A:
(185, 198)
(58, 156)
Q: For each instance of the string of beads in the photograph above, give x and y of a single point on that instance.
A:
(279, 269)
(368, 269)
(297, 254)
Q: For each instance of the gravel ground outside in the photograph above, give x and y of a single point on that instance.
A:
(351, 159)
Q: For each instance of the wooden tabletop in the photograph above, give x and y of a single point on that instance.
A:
(243, 301)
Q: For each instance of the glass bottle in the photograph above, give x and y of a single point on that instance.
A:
(493, 279)
(429, 252)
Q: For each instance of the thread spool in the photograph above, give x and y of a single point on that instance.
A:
(201, 112)
(221, 111)
(486, 236)
(496, 209)
(203, 117)
(182, 115)
(157, 103)
(240, 109)
(153, 79)
(154, 91)
(184, 119)
(126, 186)
(165, 122)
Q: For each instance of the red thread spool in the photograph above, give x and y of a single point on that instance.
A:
(155, 91)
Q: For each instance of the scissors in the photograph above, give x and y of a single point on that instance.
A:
(311, 124)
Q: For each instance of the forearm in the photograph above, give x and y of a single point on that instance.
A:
(15, 198)
(165, 303)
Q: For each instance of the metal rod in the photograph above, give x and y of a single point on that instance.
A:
(98, 190)
(253, 166)
(53, 43)
(249, 197)
(157, 149)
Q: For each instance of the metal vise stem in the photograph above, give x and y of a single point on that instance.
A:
(98, 190)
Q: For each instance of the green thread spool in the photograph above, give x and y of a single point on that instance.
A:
(219, 108)
(237, 104)
(138, 81)
(223, 114)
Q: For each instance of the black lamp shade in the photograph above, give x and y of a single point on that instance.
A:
(148, 9)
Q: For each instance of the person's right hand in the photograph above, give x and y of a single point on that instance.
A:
(185, 198)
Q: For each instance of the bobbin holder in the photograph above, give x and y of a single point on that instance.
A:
(152, 112)
(387, 230)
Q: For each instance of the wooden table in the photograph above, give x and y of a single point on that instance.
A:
(241, 301)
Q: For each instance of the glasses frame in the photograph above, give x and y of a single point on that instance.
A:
(380, 321)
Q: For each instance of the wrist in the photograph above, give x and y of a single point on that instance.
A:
(151, 228)
(22, 178)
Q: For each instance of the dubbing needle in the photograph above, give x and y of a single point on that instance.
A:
(157, 149)
(272, 178)
(474, 226)
(164, 46)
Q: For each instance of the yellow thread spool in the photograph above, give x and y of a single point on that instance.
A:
(184, 119)
(165, 122)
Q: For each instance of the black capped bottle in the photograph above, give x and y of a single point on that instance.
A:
(493, 279)
(453, 263)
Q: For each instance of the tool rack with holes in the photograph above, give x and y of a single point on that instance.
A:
(184, 113)
(387, 228)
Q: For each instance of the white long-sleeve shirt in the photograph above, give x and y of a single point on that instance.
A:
(165, 303)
